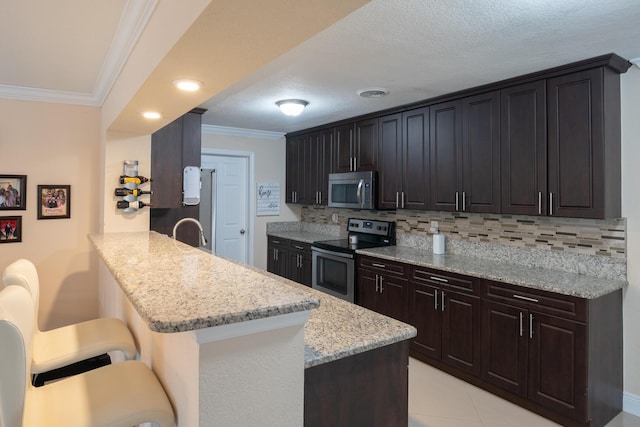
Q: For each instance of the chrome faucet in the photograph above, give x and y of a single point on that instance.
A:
(196, 222)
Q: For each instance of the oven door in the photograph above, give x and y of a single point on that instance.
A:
(333, 273)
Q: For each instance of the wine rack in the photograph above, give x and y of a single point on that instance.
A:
(130, 191)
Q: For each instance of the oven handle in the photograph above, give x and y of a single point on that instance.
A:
(359, 193)
(331, 253)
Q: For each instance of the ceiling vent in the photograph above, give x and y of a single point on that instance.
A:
(374, 92)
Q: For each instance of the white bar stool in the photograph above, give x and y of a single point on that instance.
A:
(70, 344)
(119, 395)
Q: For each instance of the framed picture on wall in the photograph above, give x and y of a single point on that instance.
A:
(13, 192)
(54, 201)
(10, 229)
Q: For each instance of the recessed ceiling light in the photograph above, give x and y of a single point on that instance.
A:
(292, 107)
(187, 85)
(373, 92)
(151, 115)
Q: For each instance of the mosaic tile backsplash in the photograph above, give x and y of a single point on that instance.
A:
(605, 238)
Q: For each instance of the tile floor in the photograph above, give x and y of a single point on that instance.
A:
(437, 399)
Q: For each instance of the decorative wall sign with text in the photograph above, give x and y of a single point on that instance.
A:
(268, 195)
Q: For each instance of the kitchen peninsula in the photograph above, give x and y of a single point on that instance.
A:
(240, 346)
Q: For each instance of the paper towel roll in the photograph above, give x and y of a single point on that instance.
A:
(438, 244)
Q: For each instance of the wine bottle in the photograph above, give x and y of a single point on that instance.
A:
(135, 205)
(127, 192)
(133, 179)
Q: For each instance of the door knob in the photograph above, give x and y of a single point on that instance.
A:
(242, 231)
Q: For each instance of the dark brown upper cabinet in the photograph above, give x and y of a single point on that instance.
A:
(320, 144)
(524, 149)
(366, 145)
(342, 150)
(446, 156)
(481, 153)
(584, 144)
(403, 153)
(298, 158)
(355, 146)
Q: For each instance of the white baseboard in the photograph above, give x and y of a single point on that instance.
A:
(631, 403)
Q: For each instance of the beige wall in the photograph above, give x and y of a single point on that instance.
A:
(270, 165)
(630, 89)
(55, 144)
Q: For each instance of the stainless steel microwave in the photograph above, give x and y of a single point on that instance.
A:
(354, 190)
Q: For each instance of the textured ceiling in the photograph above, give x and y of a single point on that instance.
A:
(415, 48)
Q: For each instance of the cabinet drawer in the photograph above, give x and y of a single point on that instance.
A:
(299, 246)
(279, 242)
(560, 305)
(455, 281)
(382, 265)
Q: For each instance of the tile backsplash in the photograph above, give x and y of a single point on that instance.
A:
(570, 235)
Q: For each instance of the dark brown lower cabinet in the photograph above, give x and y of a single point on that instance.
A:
(558, 355)
(382, 287)
(364, 390)
(289, 259)
(445, 309)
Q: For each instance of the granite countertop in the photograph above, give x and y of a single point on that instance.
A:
(175, 287)
(579, 285)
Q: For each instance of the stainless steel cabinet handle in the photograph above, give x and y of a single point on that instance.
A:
(442, 300)
(530, 325)
(355, 163)
(521, 326)
(402, 205)
(396, 199)
(377, 277)
(435, 300)
(275, 251)
(381, 289)
(277, 242)
(319, 197)
(464, 201)
(539, 202)
(457, 207)
(439, 279)
(525, 298)
(550, 204)
(299, 247)
(378, 265)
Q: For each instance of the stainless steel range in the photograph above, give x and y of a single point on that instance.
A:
(333, 265)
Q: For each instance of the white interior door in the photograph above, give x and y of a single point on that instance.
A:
(228, 203)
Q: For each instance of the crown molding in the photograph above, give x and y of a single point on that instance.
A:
(250, 133)
(132, 22)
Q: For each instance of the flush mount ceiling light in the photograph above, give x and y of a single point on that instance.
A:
(187, 85)
(292, 107)
(373, 92)
(151, 115)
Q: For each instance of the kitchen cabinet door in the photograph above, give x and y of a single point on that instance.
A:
(367, 290)
(558, 364)
(481, 153)
(390, 155)
(323, 162)
(394, 294)
(584, 144)
(461, 334)
(446, 155)
(523, 132)
(299, 260)
(342, 150)
(415, 159)
(298, 174)
(366, 145)
(504, 347)
(425, 316)
(277, 256)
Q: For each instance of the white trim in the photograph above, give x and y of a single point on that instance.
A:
(635, 61)
(251, 193)
(132, 22)
(233, 330)
(134, 19)
(631, 403)
(250, 133)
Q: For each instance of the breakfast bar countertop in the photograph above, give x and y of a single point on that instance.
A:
(175, 287)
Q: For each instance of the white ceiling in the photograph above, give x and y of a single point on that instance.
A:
(416, 49)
